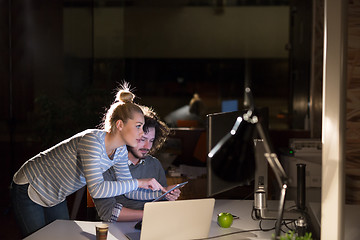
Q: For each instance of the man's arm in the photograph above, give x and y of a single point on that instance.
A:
(117, 208)
(161, 177)
(161, 173)
(111, 211)
(107, 208)
(128, 214)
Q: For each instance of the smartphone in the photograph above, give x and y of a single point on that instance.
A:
(175, 187)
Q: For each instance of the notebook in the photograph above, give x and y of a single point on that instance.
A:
(176, 220)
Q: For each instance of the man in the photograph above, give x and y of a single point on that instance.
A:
(141, 165)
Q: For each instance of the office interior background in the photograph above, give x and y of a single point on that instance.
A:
(61, 60)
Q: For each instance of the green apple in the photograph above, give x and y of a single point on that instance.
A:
(225, 219)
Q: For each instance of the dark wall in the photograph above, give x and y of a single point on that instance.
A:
(30, 47)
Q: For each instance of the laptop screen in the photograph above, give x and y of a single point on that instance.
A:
(182, 219)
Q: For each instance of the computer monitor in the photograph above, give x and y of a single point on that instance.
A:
(230, 105)
(220, 124)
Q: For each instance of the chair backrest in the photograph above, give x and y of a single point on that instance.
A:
(91, 213)
(89, 200)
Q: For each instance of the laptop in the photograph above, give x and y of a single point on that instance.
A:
(176, 220)
(180, 185)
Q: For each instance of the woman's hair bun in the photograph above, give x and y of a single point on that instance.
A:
(125, 96)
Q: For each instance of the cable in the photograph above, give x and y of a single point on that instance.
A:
(251, 230)
(286, 225)
(253, 215)
(249, 195)
(265, 230)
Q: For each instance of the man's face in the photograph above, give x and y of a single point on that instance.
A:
(144, 145)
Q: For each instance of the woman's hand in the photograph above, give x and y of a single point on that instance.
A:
(150, 183)
(173, 195)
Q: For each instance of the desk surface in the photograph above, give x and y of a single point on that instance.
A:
(71, 230)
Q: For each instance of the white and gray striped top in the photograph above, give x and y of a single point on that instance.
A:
(68, 166)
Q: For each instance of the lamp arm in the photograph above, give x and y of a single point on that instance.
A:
(250, 99)
(271, 157)
(280, 174)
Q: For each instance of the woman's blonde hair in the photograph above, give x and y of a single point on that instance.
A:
(122, 108)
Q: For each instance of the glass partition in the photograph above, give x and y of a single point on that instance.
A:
(171, 50)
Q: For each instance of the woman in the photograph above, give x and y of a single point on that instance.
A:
(41, 185)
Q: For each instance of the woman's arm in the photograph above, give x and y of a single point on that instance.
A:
(93, 160)
(148, 190)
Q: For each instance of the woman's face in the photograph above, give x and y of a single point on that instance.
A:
(133, 129)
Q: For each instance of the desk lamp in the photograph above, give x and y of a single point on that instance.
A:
(233, 159)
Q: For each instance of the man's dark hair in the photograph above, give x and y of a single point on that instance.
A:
(161, 129)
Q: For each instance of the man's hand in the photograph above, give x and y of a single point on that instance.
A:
(150, 183)
(173, 195)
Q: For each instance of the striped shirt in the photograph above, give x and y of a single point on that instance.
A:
(68, 166)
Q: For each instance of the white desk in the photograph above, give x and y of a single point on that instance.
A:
(82, 230)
